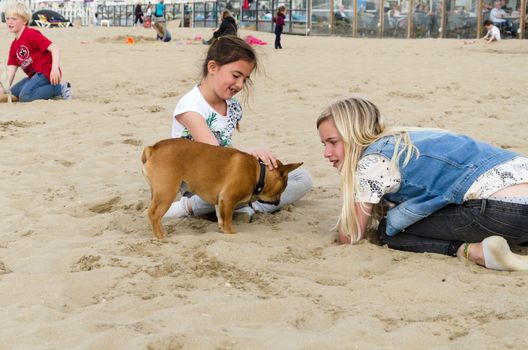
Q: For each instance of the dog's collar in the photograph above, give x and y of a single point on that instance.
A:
(260, 184)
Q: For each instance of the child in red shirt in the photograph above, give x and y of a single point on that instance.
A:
(36, 55)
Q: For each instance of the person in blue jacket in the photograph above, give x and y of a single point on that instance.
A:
(160, 9)
(427, 190)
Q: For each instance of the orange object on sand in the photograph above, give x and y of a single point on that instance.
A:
(130, 40)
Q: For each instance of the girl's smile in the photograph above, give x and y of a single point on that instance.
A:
(334, 149)
(229, 79)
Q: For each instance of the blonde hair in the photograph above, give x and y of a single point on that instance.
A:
(359, 124)
(18, 9)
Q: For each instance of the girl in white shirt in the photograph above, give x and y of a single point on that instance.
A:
(209, 113)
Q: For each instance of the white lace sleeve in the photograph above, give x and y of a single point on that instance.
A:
(375, 179)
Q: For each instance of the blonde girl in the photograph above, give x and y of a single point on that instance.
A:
(426, 190)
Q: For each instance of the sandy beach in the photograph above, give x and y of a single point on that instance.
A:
(81, 269)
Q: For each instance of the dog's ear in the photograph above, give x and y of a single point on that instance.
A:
(288, 168)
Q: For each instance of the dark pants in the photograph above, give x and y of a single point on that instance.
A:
(444, 231)
(138, 19)
(278, 32)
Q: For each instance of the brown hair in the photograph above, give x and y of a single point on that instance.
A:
(228, 49)
(281, 10)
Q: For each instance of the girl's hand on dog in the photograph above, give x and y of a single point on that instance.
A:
(264, 155)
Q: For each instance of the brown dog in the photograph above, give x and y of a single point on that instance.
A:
(219, 175)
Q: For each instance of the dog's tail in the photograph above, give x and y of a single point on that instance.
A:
(146, 154)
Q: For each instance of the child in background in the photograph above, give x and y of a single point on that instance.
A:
(228, 26)
(429, 190)
(280, 21)
(37, 56)
(493, 33)
(209, 113)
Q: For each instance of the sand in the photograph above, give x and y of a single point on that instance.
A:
(79, 265)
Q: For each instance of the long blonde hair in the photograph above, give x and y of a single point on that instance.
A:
(359, 124)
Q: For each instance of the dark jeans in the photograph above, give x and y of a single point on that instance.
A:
(278, 32)
(38, 87)
(444, 231)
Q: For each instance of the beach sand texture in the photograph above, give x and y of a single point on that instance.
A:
(79, 265)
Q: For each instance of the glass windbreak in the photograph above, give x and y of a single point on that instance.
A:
(368, 24)
(512, 17)
(427, 19)
(212, 17)
(321, 17)
(461, 19)
(298, 16)
(526, 21)
(343, 17)
(395, 17)
(265, 13)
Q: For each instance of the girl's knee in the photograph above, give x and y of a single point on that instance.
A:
(302, 178)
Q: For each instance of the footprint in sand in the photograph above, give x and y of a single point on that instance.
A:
(66, 163)
(87, 263)
(170, 94)
(132, 142)
(3, 269)
(106, 207)
(153, 109)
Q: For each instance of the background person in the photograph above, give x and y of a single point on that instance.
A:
(228, 26)
(38, 57)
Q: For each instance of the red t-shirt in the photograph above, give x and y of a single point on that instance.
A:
(30, 53)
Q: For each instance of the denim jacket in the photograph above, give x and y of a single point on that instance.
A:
(447, 166)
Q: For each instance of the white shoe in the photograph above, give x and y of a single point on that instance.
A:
(498, 256)
(66, 91)
(178, 209)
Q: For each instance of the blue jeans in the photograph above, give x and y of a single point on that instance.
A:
(444, 231)
(38, 87)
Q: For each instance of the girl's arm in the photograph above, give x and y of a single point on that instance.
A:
(200, 132)
(55, 76)
(363, 212)
(197, 127)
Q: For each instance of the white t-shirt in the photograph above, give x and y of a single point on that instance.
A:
(494, 33)
(221, 126)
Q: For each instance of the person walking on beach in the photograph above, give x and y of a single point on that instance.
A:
(429, 189)
(38, 57)
(210, 113)
(160, 10)
(139, 14)
(280, 21)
